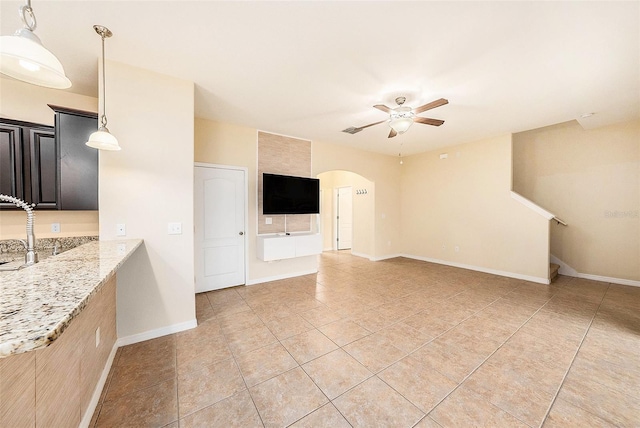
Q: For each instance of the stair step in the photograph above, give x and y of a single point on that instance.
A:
(553, 270)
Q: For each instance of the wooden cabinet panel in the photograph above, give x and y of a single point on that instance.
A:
(18, 391)
(53, 387)
(44, 168)
(11, 162)
(78, 162)
(51, 167)
(58, 380)
(94, 358)
(28, 163)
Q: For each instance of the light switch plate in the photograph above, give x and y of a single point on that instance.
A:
(268, 220)
(174, 228)
(121, 229)
(55, 227)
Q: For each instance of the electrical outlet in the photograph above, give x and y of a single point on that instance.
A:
(97, 337)
(55, 227)
(174, 228)
(121, 229)
(457, 249)
(268, 220)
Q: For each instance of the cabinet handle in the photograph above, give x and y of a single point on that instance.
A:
(241, 233)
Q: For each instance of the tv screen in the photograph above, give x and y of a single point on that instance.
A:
(284, 194)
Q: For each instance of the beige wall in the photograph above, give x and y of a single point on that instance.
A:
(465, 201)
(363, 210)
(384, 172)
(22, 101)
(72, 223)
(232, 145)
(590, 179)
(145, 186)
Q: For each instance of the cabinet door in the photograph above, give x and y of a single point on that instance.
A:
(78, 163)
(11, 162)
(44, 168)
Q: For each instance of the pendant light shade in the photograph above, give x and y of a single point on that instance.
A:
(23, 57)
(102, 139)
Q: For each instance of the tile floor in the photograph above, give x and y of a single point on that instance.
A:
(397, 343)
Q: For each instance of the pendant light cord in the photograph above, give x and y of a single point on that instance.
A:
(103, 119)
(28, 10)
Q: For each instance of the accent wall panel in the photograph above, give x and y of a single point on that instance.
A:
(278, 154)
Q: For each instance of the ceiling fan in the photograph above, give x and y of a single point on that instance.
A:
(401, 118)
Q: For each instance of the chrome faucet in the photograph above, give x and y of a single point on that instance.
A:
(56, 248)
(31, 257)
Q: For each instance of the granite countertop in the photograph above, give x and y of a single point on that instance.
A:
(38, 302)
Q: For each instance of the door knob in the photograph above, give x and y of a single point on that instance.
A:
(241, 233)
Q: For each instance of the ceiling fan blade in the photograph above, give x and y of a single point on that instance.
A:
(432, 104)
(427, 121)
(382, 107)
(392, 134)
(371, 124)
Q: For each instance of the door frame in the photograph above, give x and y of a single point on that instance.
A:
(336, 223)
(245, 170)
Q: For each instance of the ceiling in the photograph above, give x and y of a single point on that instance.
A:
(309, 69)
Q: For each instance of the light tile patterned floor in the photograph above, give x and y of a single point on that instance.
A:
(397, 343)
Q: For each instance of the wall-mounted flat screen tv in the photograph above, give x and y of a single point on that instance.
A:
(284, 194)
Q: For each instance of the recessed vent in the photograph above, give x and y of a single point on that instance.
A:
(352, 130)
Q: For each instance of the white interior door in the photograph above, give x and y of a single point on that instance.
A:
(345, 218)
(219, 227)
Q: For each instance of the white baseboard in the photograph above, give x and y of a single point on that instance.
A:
(539, 280)
(364, 256)
(567, 270)
(152, 334)
(386, 257)
(91, 409)
(278, 277)
(610, 279)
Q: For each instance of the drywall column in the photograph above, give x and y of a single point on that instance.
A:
(146, 186)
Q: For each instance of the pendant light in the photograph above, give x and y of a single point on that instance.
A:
(23, 57)
(102, 139)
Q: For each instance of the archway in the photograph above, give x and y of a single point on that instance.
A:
(363, 211)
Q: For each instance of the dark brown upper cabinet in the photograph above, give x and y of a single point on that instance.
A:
(28, 166)
(11, 160)
(78, 163)
(50, 167)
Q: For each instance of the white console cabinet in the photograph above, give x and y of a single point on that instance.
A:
(278, 247)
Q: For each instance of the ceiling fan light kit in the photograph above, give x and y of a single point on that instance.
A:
(401, 118)
(23, 57)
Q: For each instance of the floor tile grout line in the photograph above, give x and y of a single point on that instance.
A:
(465, 378)
(397, 298)
(175, 362)
(575, 355)
(487, 358)
(243, 379)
